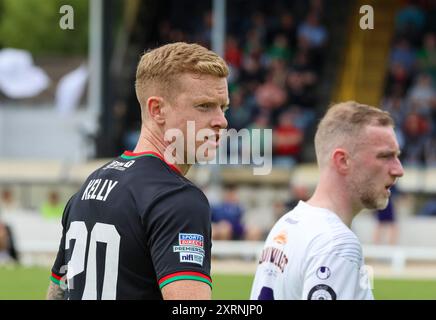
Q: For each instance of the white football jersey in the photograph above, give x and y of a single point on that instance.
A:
(311, 254)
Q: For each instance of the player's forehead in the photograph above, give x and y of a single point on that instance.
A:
(378, 138)
(204, 88)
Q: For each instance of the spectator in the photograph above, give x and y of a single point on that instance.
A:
(403, 54)
(261, 122)
(233, 54)
(280, 48)
(398, 80)
(397, 108)
(205, 32)
(279, 71)
(287, 141)
(298, 193)
(286, 26)
(4, 256)
(258, 25)
(429, 208)
(252, 73)
(427, 55)
(7, 202)
(416, 128)
(8, 252)
(422, 95)
(269, 95)
(238, 115)
(410, 21)
(53, 207)
(302, 65)
(312, 31)
(227, 219)
(386, 224)
(430, 151)
(297, 92)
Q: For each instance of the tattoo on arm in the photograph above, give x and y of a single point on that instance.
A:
(55, 292)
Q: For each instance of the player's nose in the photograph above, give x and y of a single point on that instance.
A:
(219, 120)
(397, 169)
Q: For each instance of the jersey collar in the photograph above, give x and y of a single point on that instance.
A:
(129, 155)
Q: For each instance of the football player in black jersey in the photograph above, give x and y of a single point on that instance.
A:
(137, 228)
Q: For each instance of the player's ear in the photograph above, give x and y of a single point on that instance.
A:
(155, 109)
(341, 160)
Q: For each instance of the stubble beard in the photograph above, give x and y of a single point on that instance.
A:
(367, 194)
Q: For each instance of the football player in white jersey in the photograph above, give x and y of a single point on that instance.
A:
(311, 253)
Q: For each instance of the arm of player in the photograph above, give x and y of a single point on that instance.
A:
(55, 292)
(187, 290)
(333, 277)
(180, 244)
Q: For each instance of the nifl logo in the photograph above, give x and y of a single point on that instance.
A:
(191, 258)
(188, 257)
(323, 273)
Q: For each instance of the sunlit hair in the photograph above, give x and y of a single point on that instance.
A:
(342, 125)
(159, 69)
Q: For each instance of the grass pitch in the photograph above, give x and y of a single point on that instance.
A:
(20, 283)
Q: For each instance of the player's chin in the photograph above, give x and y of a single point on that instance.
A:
(382, 203)
(374, 202)
(206, 155)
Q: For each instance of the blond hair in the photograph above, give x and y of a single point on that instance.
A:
(343, 123)
(158, 69)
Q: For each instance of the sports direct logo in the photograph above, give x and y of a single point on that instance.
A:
(190, 248)
(191, 239)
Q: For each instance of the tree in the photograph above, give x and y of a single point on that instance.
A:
(34, 25)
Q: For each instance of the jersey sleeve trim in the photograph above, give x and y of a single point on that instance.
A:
(186, 275)
(55, 278)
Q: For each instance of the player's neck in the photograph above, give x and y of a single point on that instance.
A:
(151, 141)
(333, 199)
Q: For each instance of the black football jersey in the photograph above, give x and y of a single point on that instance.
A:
(136, 225)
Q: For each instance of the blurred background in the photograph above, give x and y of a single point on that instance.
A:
(68, 104)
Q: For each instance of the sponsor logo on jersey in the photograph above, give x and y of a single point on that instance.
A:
(323, 273)
(190, 248)
(192, 258)
(275, 256)
(191, 239)
(119, 165)
(281, 238)
(321, 292)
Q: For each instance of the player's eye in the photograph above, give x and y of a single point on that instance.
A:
(202, 107)
(224, 108)
(387, 156)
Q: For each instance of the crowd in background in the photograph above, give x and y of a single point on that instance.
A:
(410, 94)
(276, 59)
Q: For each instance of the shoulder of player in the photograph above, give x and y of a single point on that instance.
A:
(341, 242)
(146, 171)
(184, 194)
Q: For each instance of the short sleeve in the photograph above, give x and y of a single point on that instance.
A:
(179, 236)
(332, 277)
(59, 268)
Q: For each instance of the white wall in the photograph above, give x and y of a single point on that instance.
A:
(41, 133)
(412, 231)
